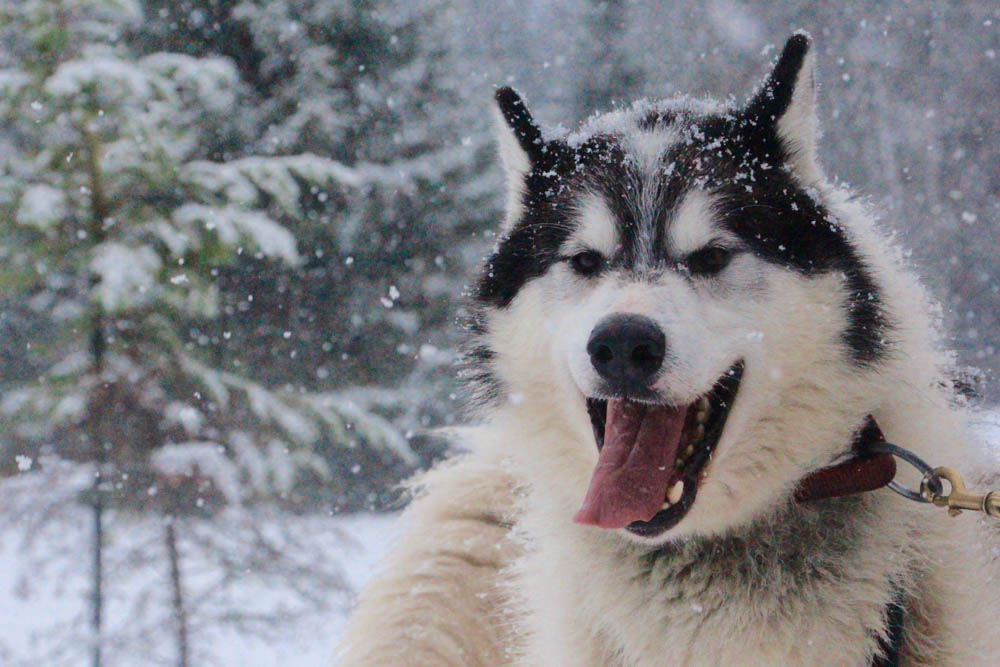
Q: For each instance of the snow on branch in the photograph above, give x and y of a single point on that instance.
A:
(206, 459)
(106, 79)
(365, 424)
(298, 417)
(242, 181)
(233, 224)
(212, 82)
(41, 206)
(128, 275)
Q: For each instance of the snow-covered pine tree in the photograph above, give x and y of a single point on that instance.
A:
(115, 228)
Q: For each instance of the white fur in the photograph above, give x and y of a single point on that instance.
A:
(690, 228)
(594, 230)
(584, 602)
(516, 166)
(566, 594)
(798, 127)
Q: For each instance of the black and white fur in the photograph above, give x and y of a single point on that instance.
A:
(831, 327)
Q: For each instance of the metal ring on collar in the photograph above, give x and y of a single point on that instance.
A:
(929, 477)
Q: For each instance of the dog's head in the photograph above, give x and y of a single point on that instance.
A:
(673, 293)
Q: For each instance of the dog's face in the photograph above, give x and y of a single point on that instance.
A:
(666, 282)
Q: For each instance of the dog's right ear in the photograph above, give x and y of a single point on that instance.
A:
(787, 101)
(520, 143)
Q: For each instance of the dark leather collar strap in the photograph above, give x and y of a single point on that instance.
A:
(863, 472)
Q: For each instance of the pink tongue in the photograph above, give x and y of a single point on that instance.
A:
(634, 466)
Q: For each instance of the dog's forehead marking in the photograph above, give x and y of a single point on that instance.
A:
(647, 147)
(693, 223)
(596, 226)
(642, 205)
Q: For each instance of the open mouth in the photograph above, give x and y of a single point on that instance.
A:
(652, 457)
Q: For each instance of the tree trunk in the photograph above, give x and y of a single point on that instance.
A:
(97, 349)
(98, 594)
(177, 594)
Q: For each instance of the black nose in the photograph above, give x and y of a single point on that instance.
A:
(627, 350)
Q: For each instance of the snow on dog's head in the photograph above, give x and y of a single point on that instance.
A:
(676, 314)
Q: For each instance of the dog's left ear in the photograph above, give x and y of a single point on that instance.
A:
(520, 143)
(787, 100)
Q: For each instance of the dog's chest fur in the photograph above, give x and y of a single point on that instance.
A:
(809, 585)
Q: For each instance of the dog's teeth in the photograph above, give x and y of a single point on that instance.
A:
(675, 492)
(699, 432)
(665, 506)
(701, 416)
(679, 464)
(688, 451)
(703, 404)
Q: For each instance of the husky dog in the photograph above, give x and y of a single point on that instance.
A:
(684, 319)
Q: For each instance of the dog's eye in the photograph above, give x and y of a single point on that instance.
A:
(587, 263)
(708, 261)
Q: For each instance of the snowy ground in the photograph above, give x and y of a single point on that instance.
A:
(43, 599)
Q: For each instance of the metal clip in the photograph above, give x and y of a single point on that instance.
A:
(958, 498)
(930, 485)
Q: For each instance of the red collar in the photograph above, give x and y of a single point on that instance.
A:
(864, 471)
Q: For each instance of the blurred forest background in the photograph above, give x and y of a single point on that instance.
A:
(234, 238)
